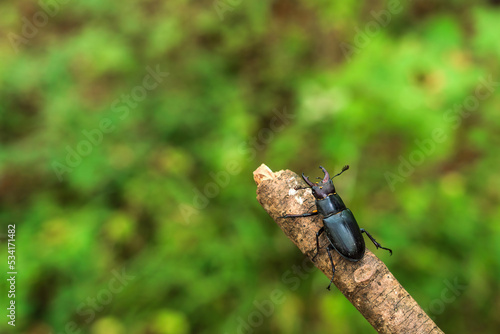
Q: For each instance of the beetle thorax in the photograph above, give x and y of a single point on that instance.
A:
(330, 205)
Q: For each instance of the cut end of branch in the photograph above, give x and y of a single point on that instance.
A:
(263, 173)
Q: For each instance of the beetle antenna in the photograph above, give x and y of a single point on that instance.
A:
(346, 167)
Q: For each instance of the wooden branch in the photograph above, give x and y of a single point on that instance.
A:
(367, 284)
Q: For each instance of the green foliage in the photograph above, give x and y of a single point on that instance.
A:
(132, 190)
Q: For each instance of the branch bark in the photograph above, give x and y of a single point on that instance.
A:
(367, 284)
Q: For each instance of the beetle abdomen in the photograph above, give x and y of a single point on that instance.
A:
(344, 234)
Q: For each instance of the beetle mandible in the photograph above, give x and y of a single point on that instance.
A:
(342, 230)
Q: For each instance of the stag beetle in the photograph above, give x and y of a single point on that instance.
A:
(342, 230)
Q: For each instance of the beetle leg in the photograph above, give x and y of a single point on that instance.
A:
(307, 214)
(320, 231)
(331, 262)
(374, 241)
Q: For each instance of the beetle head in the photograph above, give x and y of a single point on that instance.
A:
(324, 188)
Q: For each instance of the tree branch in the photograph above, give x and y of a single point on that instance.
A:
(367, 284)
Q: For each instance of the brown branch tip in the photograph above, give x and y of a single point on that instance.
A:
(367, 284)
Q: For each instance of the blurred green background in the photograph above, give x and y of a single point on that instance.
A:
(132, 190)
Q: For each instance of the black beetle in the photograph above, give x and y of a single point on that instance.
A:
(342, 230)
